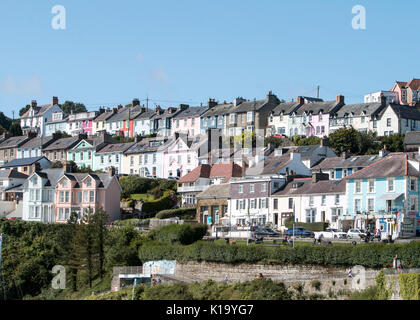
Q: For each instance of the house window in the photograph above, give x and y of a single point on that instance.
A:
(390, 185)
(332, 174)
(117, 158)
(85, 196)
(79, 197)
(91, 196)
(311, 200)
(60, 214)
(290, 203)
(337, 199)
(310, 215)
(61, 196)
(189, 159)
(81, 155)
(131, 160)
(252, 203)
(357, 186)
(413, 184)
(109, 159)
(241, 188)
(371, 186)
(251, 188)
(145, 158)
(102, 159)
(250, 116)
(179, 159)
(275, 204)
(67, 193)
(388, 122)
(154, 158)
(413, 203)
(88, 182)
(263, 187)
(371, 204)
(323, 200)
(357, 207)
(375, 124)
(345, 172)
(89, 155)
(363, 119)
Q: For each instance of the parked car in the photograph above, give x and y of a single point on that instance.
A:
(331, 233)
(266, 232)
(356, 233)
(300, 232)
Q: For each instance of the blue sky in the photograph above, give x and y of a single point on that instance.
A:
(187, 51)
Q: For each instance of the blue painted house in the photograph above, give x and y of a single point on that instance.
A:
(385, 195)
(215, 117)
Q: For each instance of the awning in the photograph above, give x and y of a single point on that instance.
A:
(390, 196)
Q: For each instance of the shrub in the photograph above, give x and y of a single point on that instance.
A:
(409, 286)
(179, 233)
(370, 293)
(384, 292)
(315, 226)
(132, 222)
(154, 206)
(316, 284)
(180, 213)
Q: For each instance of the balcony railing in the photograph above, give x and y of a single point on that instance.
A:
(192, 188)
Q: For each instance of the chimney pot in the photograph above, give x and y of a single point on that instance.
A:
(33, 103)
(136, 102)
(340, 99)
(111, 171)
(54, 101)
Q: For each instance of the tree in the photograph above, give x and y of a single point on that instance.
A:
(15, 130)
(99, 222)
(23, 110)
(394, 142)
(306, 141)
(71, 107)
(344, 139)
(368, 143)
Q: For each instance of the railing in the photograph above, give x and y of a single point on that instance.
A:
(192, 189)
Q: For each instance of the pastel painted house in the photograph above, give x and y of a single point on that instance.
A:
(278, 120)
(81, 192)
(315, 199)
(34, 147)
(83, 153)
(39, 195)
(188, 121)
(313, 119)
(36, 118)
(385, 195)
(215, 117)
(57, 123)
(81, 123)
(111, 156)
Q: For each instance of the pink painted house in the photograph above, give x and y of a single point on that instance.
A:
(81, 122)
(188, 121)
(181, 156)
(77, 192)
(316, 116)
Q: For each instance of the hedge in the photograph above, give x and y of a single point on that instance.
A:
(154, 206)
(376, 255)
(179, 233)
(171, 213)
(315, 226)
(409, 286)
(132, 222)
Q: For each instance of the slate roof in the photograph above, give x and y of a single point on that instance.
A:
(103, 178)
(218, 110)
(13, 142)
(215, 191)
(63, 143)
(144, 145)
(166, 113)
(125, 113)
(404, 112)
(339, 162)
(64, 119)
(145, 115)
(249, 106)
(52, 175)
(271, 165)
(22, 162)
(393, 165)
(370, 109)
(412, 137)
(115, 147)
(37, 142)
(191, 112)
(104, 116)
(317, 107)
(285, 108)
(305, 186)
(12, 174)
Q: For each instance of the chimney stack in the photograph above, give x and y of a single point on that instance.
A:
(54, 101)
(300, 100)
(340, 99)
(183, 106)
(324, 142)
(212, 103)
(111, 171)
(345, 155)
(36, 167)
(136, 102)
(318, 176)
(237, 101)
(383, 100)
(33, 103)
(119, 107)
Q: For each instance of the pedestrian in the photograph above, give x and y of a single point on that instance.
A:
(226, 279)
(159, 281)
(350, 273)
(260, 276)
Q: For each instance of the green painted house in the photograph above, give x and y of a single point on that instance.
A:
(83, 153)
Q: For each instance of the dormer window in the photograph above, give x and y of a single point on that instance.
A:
(88, 182)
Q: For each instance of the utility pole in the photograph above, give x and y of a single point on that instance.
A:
(147, 103)
(13, 112)
(317, 92)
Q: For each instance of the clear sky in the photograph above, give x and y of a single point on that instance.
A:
(186, 51)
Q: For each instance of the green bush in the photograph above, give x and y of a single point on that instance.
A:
(180, 213)
(370, 293)
(166, 202)
(179, 233)
(376, 255)
(383, 292)
(315, 226)
(316, 284)
(132, 222)
(409, 286)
